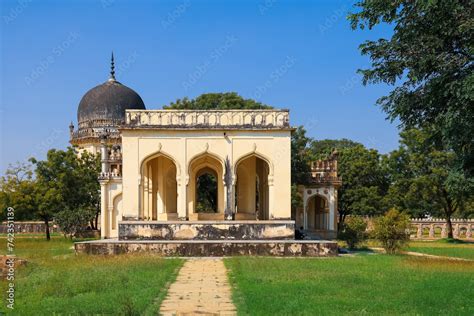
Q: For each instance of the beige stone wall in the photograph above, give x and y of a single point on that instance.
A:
(191, 150)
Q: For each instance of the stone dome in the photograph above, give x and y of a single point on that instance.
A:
(106, 104)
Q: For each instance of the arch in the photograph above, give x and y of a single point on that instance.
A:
(256, 154)
(157, 154)
(158, 198)
(117, 205)
(198, 164)
(252, 194)
(317, 212)
(205, 152)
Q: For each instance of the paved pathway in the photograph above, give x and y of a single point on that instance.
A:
(201, 288)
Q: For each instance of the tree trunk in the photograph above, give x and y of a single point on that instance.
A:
(449, 210)
(342, 217)
(450, 226)
(96, 221)
(46, 223)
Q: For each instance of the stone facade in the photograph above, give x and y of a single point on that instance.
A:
(319, 214)
(152, 175)
(207, 230)
(212, 248)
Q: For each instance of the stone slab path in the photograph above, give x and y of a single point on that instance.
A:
(201, 288)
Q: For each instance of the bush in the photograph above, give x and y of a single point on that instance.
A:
(392, 230)
(72, 222)
(353, 231)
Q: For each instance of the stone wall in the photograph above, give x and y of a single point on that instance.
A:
(437, 228)
(207, 230)
(28, 228)
(212, 248)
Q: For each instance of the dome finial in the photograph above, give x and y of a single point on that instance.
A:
(112, 68)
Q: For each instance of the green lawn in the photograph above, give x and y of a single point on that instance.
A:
(366, 284)
(56, 281)
(441, 248)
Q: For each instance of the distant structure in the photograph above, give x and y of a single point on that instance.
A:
(319, 214)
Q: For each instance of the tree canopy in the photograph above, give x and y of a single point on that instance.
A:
(207, 101)
(425, 179)
(429, 60)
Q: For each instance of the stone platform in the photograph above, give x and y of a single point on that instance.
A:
(207, 230)
(211, 248)
(209, 239)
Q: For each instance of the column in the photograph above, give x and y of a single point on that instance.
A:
(332, 209)
(145, 206)
(271, 197)
(103, 210)
(181, 203)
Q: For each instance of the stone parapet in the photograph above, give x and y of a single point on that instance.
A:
(207, 119)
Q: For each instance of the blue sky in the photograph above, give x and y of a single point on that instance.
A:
(300, 55)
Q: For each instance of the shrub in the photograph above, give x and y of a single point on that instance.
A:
(392, 230)
(353, 231)
(72, 222)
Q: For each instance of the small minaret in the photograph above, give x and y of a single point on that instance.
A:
(112, 68)
(71, 130)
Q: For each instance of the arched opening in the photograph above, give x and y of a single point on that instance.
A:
(251, 190)
(318, 213)
(206, 191)
(117, 209)
(206, 188)
(159, 189)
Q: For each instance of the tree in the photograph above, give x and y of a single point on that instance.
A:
(392, 230)
(426, 179)
(353, 231)
(322, 149)
(429, 59)
(300, 157)
(207, 101)
(18, 190)
(67, 183)
(364, 180)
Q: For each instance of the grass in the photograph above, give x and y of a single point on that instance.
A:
(364, 284)
(56, 281)
(448, 248)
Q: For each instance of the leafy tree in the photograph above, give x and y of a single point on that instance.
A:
(322, 149)
(67, 183)
(429, 60)
(300, 157)
(206, 191)
(354, 231)
(392, 230)
(228, 100)
(18, 190)
(425, 179)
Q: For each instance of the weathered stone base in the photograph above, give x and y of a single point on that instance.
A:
(212, 248)
(207, 230)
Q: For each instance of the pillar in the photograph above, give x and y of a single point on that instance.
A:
(271, 198)
(182, 197)
(103, 210)
(432, 231)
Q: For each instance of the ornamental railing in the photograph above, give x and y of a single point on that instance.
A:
(242, 119)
